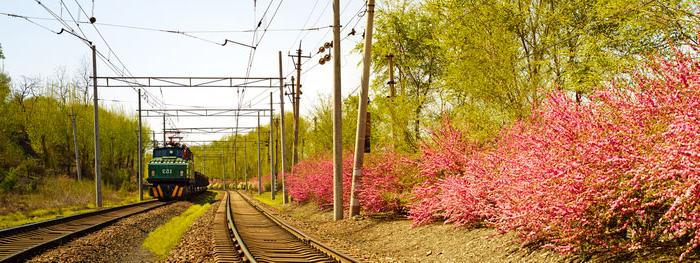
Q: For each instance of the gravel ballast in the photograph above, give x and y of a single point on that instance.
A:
(196, 244)
(373, 240)
(119, 242)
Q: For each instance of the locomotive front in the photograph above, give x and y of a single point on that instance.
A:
(171, 172)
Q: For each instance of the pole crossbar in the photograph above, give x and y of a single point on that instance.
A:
(193, 82)
(208, 129)
(153, 113)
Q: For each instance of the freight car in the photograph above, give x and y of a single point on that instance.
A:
(171, 173)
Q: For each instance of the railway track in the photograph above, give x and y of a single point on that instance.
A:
(22, 242)
(245, 232)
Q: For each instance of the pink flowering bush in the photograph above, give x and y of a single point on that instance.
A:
(616, 173)
(387, 181)
(385, 186)
(311, 180)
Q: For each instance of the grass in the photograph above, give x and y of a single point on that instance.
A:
(166, 237)
(57, 197)
(266, 197)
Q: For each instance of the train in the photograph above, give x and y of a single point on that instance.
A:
(171, 173)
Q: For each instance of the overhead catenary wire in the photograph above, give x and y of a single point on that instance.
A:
(69, 29)
(126, 70)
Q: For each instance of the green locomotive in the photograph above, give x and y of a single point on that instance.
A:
(171, 173)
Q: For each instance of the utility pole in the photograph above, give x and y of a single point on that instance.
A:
(271, 148)
(75, 145)
(259, 176)
(223, 169)
(155, 142)
(277, 155)
(392, 89)
(235, 156)
(245, 163)
(392, 97)
(362, 114)
(337, 119)
(296, 97)
(285, 198)
(140, 174)
(96, 110)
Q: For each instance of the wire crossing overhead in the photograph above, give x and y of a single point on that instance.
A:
(194, 82)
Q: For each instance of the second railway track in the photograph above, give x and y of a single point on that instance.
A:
(246, 232)
(21, 242)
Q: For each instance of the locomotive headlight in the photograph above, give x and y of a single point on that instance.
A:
(153, 173)
(182, 173)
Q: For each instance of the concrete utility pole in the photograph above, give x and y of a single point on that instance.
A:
(75, 145)
(362, 114)
(98, 176)
(259, 175)
(337, 119)
(140, 166)
(285, 198)
(271, 147)
(155, 142)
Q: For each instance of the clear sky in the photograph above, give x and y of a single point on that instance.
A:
(31, 50)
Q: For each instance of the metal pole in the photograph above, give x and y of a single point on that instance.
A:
(223, 169)
(75, 145)
(140, 174)
(98, 177)
(285, 198)
(362, 114)
(235, 156)
(164, 130)
(259, 176)
(337, 119)
(271, 148)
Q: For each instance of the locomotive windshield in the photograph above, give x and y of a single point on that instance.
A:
(161, 152)
(172, 151)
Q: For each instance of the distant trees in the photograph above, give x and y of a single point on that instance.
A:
(37, 142)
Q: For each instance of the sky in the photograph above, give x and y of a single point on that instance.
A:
(34, 51)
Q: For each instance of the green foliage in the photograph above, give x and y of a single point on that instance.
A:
(56, 196)
(485, 63)
(38, 136)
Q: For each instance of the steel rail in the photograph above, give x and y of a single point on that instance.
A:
(312, 243)
(21, 242)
